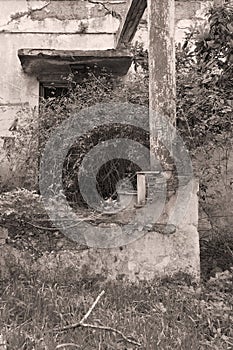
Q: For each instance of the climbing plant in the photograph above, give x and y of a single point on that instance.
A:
(205, 113)
(204, 76)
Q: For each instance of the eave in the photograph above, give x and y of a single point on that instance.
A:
(47, 61)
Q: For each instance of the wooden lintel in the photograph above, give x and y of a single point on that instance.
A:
(129, 27)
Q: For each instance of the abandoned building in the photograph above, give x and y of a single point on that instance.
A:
(44, 41)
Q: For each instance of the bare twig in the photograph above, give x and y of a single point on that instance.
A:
(228, 248)
(108, 11)
(100, 3)
(91, 308)
(92, 326)
(41, 227)
(65, 227)
(110, 329)
(66, 345)
(80, 323)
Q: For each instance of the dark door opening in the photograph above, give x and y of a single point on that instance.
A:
(52, 90)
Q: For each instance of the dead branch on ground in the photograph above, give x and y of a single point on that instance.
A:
(87, 325)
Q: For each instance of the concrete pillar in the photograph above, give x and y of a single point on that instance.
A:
(162, 87)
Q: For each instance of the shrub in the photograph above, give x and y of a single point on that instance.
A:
(204, 112)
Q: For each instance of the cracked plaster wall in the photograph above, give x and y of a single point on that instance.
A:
(63, 25)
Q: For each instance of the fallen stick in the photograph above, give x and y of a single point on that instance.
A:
(110, 329)
(91, 308)
(66, 345)
(87, 325)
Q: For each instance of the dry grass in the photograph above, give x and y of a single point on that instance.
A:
(160, 315)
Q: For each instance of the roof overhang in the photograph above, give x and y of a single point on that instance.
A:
(41, 62)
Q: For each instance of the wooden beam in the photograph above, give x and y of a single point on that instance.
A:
(141, 189)
(162, 87)
(133, 17)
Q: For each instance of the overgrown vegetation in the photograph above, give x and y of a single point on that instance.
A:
(160, 314)
(204, 119)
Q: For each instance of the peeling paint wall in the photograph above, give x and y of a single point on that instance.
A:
(63, 25)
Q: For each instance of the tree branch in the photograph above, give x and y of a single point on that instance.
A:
(92, 326)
